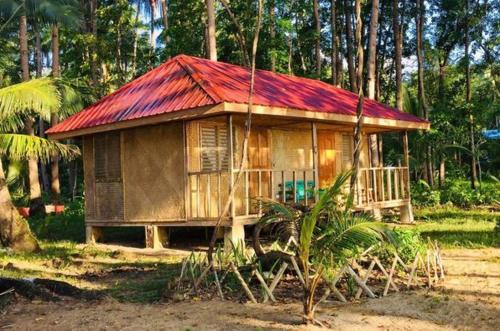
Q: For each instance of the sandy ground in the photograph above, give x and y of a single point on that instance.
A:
(468, 300)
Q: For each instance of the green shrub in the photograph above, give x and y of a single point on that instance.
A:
(69, 225)
(405, 242)
(459, 193)
(424, 196)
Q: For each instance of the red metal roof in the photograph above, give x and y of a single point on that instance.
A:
(186, 82)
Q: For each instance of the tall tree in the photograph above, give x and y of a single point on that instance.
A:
(212, 45)
(359, 107)
(422, 101)
(36, 203)
(398, 53)
(468, 96)
(372, 67)
(350, 57)
(333, 25)
(55, 185)
(164, 16)
(272, 34)
(317, 37)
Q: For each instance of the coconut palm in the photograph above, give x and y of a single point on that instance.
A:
(16, 102)
(329, 234)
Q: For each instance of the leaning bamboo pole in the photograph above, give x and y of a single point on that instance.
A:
(248, 127)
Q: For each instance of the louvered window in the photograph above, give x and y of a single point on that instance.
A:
(107, 157)
(214, 154)
(346, 152)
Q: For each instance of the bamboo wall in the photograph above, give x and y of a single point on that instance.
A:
(151, 187)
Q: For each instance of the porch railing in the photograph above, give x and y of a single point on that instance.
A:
(208, 191)
(381, 184)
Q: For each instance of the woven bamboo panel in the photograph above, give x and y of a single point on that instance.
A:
(292, 149)
(154, 172)
(193, 142)
(89, 176)
(109, 201)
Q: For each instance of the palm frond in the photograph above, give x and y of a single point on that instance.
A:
(37, 95)
(20, 146)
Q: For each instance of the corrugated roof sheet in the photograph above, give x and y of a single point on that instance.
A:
(187, 82)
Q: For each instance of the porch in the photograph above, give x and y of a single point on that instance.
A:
(288, 161)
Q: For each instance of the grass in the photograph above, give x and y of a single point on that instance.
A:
(137, 278)
(454, 227)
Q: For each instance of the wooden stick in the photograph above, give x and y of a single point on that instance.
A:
(360, 282)
(243, 284)
(401, 262)
(381, 267)
(323, 298)
(217, 283)
(332, 284)
(277, 279)
(297, 270)
(193, 278)
(203, 275)
(267, 291)
(391, 273)
(428, 269)
(413, 268)
(365, 279)
(183, 269)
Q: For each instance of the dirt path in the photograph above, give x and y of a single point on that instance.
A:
(469, 300)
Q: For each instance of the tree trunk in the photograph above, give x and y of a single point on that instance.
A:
(15, 232)
(372, 65)
(359, 108)
(372, 50)
(23, 45)
(164, 15)
(468, 96)
(333, 25)
(212, 45)
(36, 204)
(93, 31)
(272, 34)
(55, 185)
(152, 39)
(350, 58)
(398, 54)
(442, 171)
(317, 37)
(136, 39)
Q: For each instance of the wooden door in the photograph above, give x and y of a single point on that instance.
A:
(259, 157)
(327, 158)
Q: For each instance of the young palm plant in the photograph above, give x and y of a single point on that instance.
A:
(42, 97)
(330, 233)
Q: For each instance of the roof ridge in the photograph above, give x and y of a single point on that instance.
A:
(195, 76)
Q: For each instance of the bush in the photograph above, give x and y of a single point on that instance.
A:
(423, 195)
(69, 225)
(405, 242)
(459, 193)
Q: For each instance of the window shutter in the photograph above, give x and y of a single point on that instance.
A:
(346, 152)
(214, 154)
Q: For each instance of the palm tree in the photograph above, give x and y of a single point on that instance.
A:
(17, 102)
(329, 234)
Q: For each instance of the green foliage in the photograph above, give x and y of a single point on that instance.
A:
(69, 225)
(405, 242)
(457, 192)
(423, 195)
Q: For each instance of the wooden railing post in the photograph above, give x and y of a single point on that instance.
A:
(231, 163)
(315, 160)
